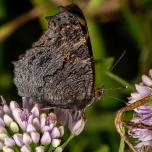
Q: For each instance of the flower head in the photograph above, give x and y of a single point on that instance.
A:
(29, 128)
(25, 130)
(143, 114)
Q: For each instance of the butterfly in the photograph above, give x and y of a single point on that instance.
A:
(58, 71)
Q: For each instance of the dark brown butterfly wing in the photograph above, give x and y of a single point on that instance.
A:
(58, 69)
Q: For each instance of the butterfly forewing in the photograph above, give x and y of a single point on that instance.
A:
(58, 69)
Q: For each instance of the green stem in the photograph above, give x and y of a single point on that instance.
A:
(122, 143)
(120, 80)
(48, 148)
(67, 141)
(16, 149)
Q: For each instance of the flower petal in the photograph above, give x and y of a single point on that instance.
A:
(9, 142)
(46, 138)
(18, 139)
(35, 137)
(147, 80)
(40, 149)
(55, 133)
(56, 142)
(27, 139)
(26, 148)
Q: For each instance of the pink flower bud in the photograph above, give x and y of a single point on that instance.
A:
(147, 80)
(9, 142)
(30, 119)
(18, 139)
(46, 128)
(36, 123)
(27, 139)
(143, 90)
(26, 148)
(40, 149)
(6, 109)
(52, 118)
(46, 138)
(42, 119)
(77, 127)
(55, 133)
(13, 105)
(17, 113)
(30, 128)
(35, 137)
(35, 111)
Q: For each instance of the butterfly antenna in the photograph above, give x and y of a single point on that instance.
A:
(114, 65)
(118, 88)
(116, 99)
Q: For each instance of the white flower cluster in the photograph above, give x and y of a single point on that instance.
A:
(26, 131)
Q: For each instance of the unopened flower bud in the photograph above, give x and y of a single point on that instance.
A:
(30, 128)
(35, 111)
(35, 137)
(7, 119)
(6, 109)
(58, 149)
(30, 119)
(147, 80)
(26, 148)
(42, 119)
(9, 142)
(17, 116)
(36, 123)
(77, 127)
(55, 133)
(52, 118)
(27, 139)
(56, 142)
(3, 130)
(6, 149)
(14, 127)
(3, 136)
(18, 139)
(46, 138)
(13, 105)
(40, 149)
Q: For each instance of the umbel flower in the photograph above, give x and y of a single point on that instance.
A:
(142, 118)
(29, 129)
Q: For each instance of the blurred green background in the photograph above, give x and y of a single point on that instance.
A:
(114, 26)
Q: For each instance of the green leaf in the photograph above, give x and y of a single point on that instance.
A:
(103, 148)
(5, 81)
(2, 9)
(50, 12)
(133, 25)
(97, 43)
(94, 5)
